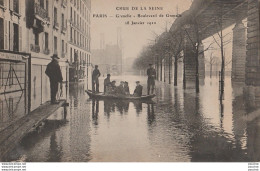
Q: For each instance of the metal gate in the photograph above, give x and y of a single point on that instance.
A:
(15, 81)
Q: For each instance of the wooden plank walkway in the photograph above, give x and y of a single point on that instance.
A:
(11, 136)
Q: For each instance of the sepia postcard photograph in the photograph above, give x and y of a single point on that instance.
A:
(129, 81)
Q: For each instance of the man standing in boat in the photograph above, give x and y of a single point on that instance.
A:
(151, 73)
(106, 83)
(95, 82)
(53, 71)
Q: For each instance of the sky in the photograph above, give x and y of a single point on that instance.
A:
(134, 37)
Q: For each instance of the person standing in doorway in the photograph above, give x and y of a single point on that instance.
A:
(53, 71)
(95, 82)
(151, 73)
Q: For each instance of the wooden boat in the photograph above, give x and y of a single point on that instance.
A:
(101, 95)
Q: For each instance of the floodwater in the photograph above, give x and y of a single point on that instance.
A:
(177, 126)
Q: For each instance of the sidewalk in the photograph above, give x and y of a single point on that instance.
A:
(12, 134)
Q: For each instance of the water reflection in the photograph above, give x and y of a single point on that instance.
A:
(177, 125)
(95, 110)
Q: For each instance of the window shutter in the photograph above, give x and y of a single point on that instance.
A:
(6, 35)
(20, 39)
(11, 40)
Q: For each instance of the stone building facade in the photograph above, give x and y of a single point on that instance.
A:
(40, 28)
(79, 38)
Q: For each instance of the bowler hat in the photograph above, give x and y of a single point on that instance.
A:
(108, 75)
(150, 64)
(137, 81)
(55, 56)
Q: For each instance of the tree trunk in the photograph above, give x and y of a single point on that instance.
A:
(161, 70)
(197, 70)
(164, 71)
(222, 64)
(175, 71)
(210, 70)
(157, 68)
(170, 66)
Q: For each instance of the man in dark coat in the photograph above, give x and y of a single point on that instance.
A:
(53, 71)
(106, 82)
(120, 89)
(138, 89)
(151, 73)
(95, 82)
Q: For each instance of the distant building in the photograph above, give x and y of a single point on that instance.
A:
(108, 59)
(79, 38)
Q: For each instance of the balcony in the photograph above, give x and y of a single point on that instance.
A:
(41, 13)
(64, 3)
(35, 48)
(63, 29)
(56, 25)
(46, 51)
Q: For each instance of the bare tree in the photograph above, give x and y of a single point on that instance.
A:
(212, 60)
(221, 44)
(196, 41)
(175, 40)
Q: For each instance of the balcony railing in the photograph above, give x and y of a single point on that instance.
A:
(41, 13)
(35, 48)
(64, 3)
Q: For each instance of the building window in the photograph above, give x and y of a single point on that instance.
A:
(75, 17)
(2, 2)
(42, 3)
(62, 47)
(71, 55)
(71, 36)
(55, 45)
(16, 6)
(75, 36)
(47, 7)
(16, 38)
(2, 33)
(55, 15)
(46, 36)
(71, 13)
(62, 20)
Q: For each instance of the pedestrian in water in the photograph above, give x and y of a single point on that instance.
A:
(53, 71)
(151, 73)
(138, 89)
(106, 83)
(95, 82)
(126, 88)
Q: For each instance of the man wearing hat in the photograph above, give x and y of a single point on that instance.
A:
(95, 81)
(106, 82)
(138, 89)
(53, 71)
(151, 73)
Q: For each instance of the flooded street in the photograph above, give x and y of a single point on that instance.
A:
(177, 126)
